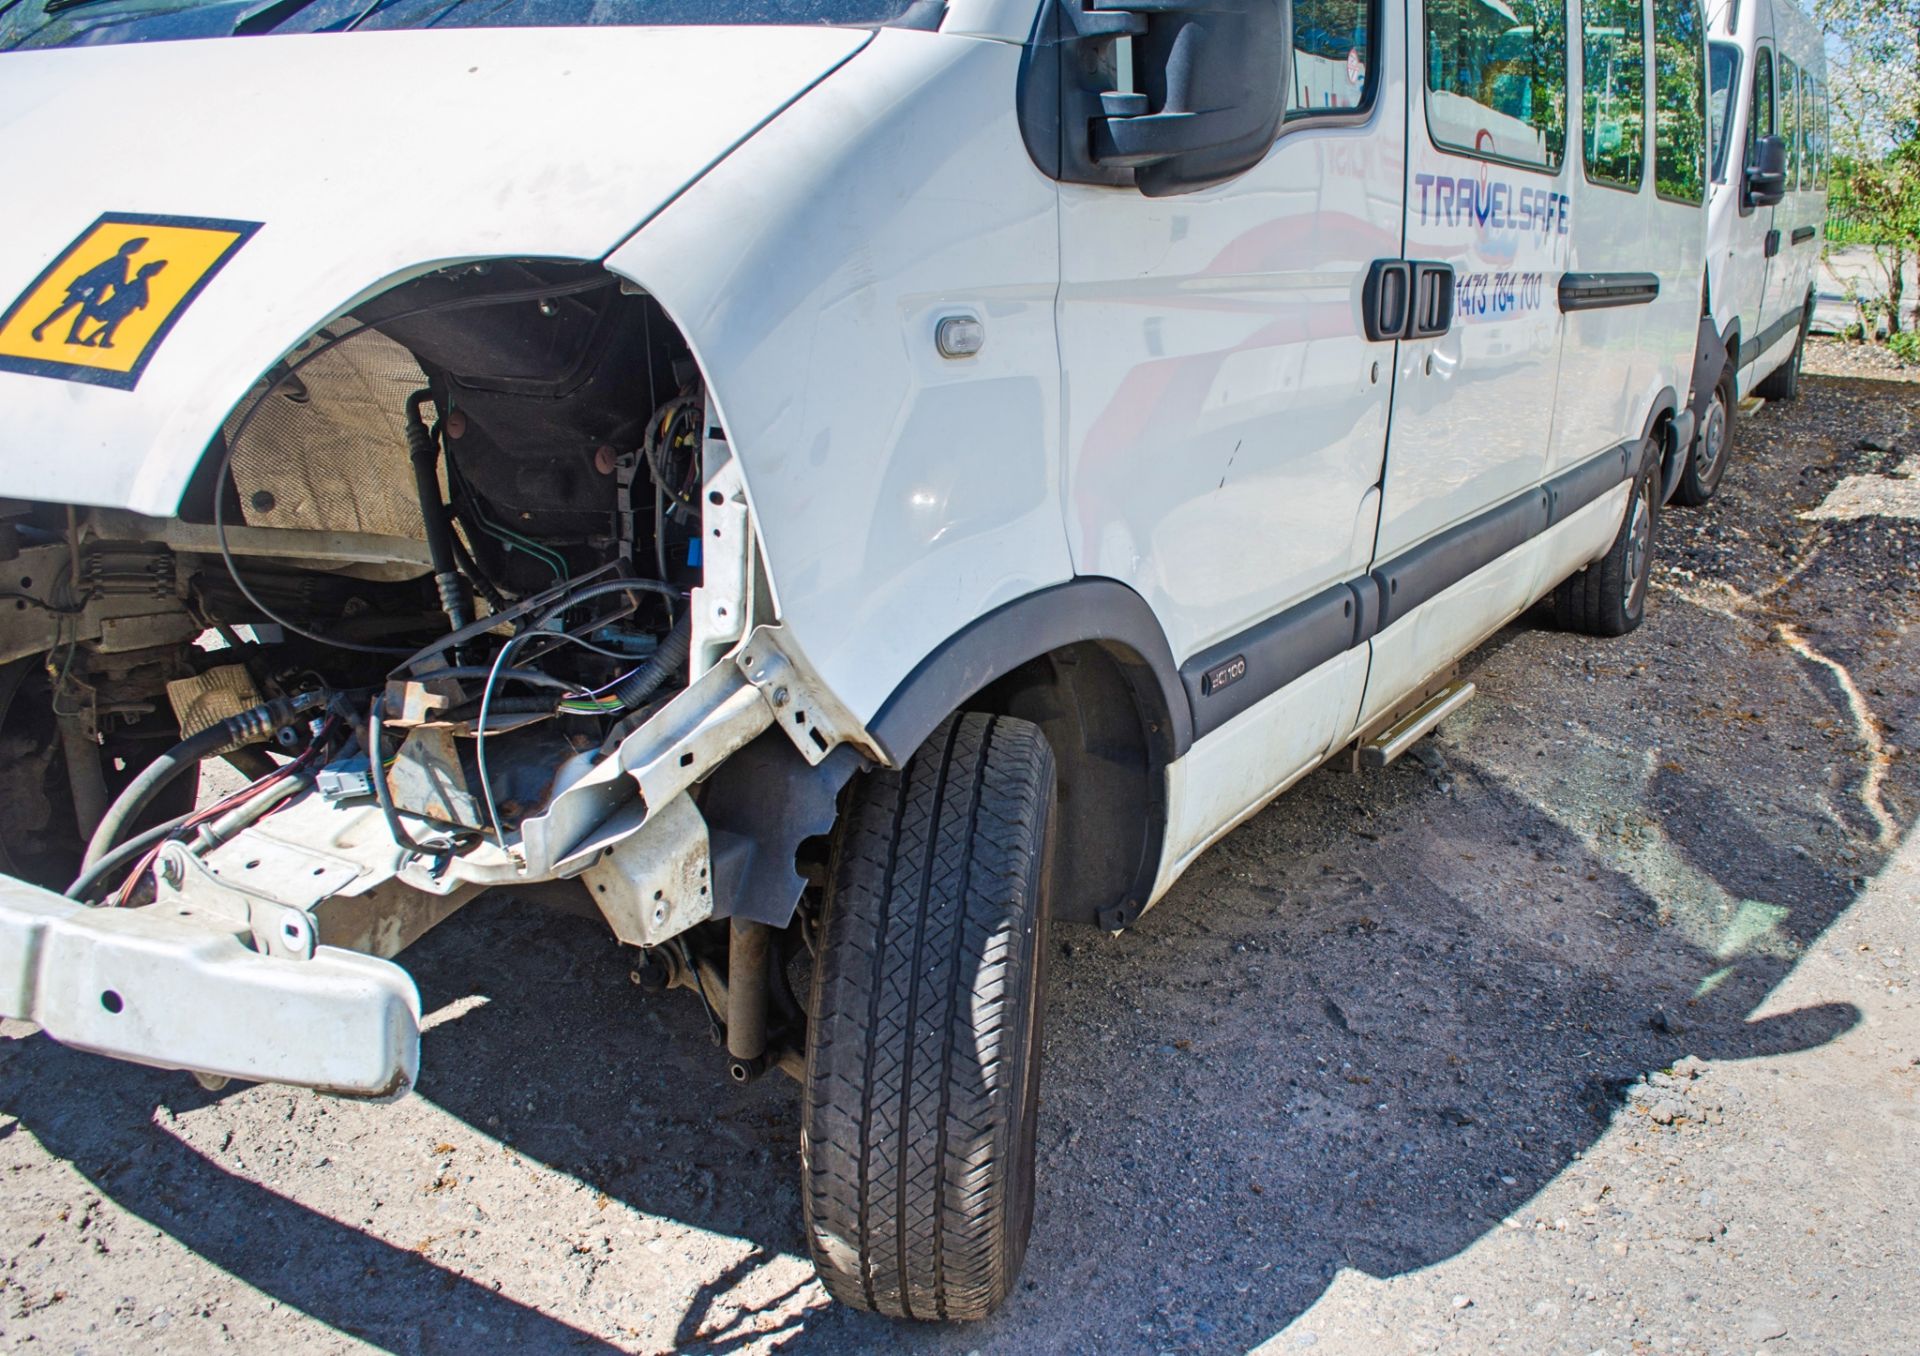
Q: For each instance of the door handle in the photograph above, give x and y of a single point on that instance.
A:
(1773, 243)
(1432, 300)
(1407, 299)
(1386, 301)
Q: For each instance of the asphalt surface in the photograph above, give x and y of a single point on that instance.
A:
(1589, 1028)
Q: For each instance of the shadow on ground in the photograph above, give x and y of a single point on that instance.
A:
(1339, 1064)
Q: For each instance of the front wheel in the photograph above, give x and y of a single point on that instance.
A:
(1609, 597)
(923, 1055)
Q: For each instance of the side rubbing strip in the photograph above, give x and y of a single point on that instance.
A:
(1226, 679)
(1750, 349)
(1274, 653)
(1571, 491)
(1366, 615)
(1596, 291)
(1443, 560)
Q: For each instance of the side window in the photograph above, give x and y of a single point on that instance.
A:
(1805, 132)
(1723, 80)
(1679, 101)
(1810, 131)
(1761, 123)
(1613, 74)
(1497, 78)
(1332, 57)
(1790, 116)
(1825, 115)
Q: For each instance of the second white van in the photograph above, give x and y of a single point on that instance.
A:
(1768, 111)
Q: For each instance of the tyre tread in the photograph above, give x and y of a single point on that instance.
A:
(921, 1045)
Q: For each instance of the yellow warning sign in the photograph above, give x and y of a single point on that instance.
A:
(99, 311)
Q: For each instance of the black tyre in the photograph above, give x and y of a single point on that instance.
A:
(1783, 383)
(923, 1055)
(1609, 597)
(1712, 449)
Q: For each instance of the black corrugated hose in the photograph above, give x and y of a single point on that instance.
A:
(668, 660)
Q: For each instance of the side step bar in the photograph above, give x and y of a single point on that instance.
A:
(1396, 739)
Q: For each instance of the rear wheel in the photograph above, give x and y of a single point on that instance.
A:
(1609, 597)
(923, 1055)
(1707, 461)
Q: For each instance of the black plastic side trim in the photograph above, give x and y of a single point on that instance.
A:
(1571, 491)
(1802, 234)
(1597, 291)
(1089, 609)
(1227, 679)
(1767, 338)
(1270, 655)
(1443, 560)
(1366, 616)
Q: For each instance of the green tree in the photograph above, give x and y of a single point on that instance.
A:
(1876, 127)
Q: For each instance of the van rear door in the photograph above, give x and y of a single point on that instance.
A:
(1488, 200)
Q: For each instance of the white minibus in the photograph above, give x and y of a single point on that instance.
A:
(1768, 111)
(836, 490)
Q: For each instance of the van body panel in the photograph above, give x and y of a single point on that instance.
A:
(354, 213)
(898, 494)
(1226, 415)
(1230, 775)
(1472, 409)
(1513, 435)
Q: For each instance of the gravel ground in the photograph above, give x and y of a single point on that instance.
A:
(1589, 1028)
(1841, 358)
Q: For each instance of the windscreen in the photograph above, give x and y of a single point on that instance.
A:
(70, 23)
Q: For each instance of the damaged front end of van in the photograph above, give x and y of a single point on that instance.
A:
(369, 538)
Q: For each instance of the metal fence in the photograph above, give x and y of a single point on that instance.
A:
(1843, 228)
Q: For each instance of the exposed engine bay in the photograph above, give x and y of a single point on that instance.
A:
(465, 590)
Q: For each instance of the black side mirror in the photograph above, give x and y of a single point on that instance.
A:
(1767, 172)
(1210, 90)
(1215, 76)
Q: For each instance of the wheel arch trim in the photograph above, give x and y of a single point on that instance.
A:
(1082, 610)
